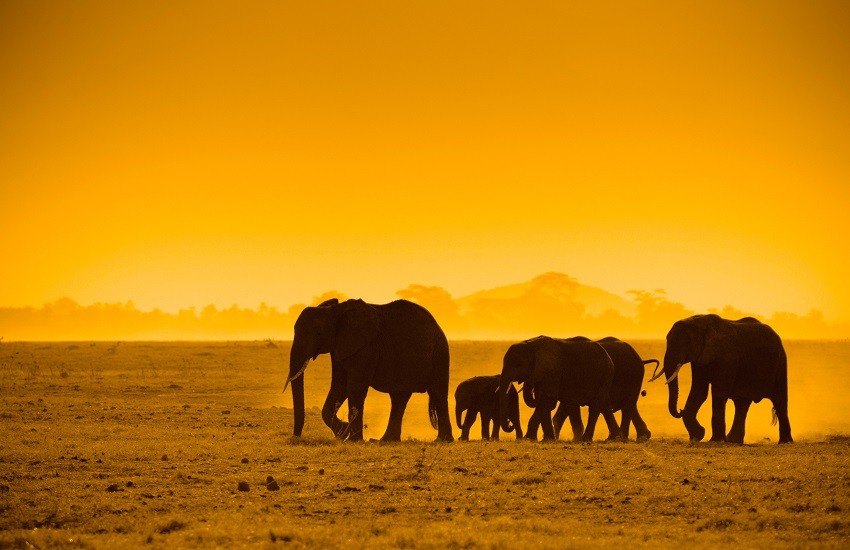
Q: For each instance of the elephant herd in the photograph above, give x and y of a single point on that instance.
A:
(398, 348)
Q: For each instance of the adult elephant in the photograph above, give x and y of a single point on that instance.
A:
(629, 369)
(575, 371)
(479, 396)
(396, 348)
(741, 360)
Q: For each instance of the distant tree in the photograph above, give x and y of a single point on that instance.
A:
(438, 301)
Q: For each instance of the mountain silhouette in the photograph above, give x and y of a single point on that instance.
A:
(557, 287)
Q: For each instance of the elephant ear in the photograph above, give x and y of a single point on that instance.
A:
(358, 325)
(714, 331)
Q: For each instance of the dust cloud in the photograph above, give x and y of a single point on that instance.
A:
(819, 404)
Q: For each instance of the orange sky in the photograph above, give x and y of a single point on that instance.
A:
(185, 153)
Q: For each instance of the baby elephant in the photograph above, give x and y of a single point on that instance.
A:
(479, 395)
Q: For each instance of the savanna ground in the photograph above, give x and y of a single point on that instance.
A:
(146, 444)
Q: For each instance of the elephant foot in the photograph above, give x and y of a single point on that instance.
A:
(644, 436)
(444, 438)
(462, 438)
(785, 440)
(718, 439)
(698, 434)
(390, 439)
(735, 438)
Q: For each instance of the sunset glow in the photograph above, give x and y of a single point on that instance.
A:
(189, 153)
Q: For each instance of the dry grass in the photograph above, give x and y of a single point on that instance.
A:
(146, 445)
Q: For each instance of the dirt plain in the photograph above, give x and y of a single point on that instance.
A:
(106, 444)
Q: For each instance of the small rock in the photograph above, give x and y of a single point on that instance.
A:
(321, 471)
(112, 488)
(243, 486)
(685, 481)
(269, 479)
(164, 457)
(245, 460)
(131, 485)
(272, 485)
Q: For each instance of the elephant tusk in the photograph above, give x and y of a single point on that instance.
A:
(675, 374)
(297, 374)
(656, 375)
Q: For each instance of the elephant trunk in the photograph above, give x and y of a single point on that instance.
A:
(672, 374)
(297, 364)
(298, 405)
(504, 407)
(528, 394)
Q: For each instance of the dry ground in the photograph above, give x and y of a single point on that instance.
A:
(107, 445)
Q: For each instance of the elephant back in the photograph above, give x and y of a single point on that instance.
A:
(412, 348)
(628, 370)
(586, 371)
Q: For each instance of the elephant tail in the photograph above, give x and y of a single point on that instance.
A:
(655, 370)
(432, 414)
(774, 419)
(458, 414)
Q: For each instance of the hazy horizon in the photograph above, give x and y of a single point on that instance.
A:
(551, 303)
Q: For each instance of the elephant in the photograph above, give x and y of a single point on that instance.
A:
(575, 371)
(478, 395)
(396, 348)
(629, 369)
(741, 360)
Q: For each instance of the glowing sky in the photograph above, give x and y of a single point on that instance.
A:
(185, 153)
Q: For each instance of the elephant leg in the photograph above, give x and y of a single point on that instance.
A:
(574, 414)
(485, 425)
(696, 397)
(467, 424)
(780, 407)
(736, 433)
(641, 428)
(533, 425)
(545, 418)
(398, 402)
(592, 417)
(356, 398)
(440, 404)
(559, 419)
(628, 414)
(718, 416)
(337, 395)
(611, 421)
(494, 433)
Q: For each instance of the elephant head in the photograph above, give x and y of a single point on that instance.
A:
(694, 340)
(340, 329)
(517, 366)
